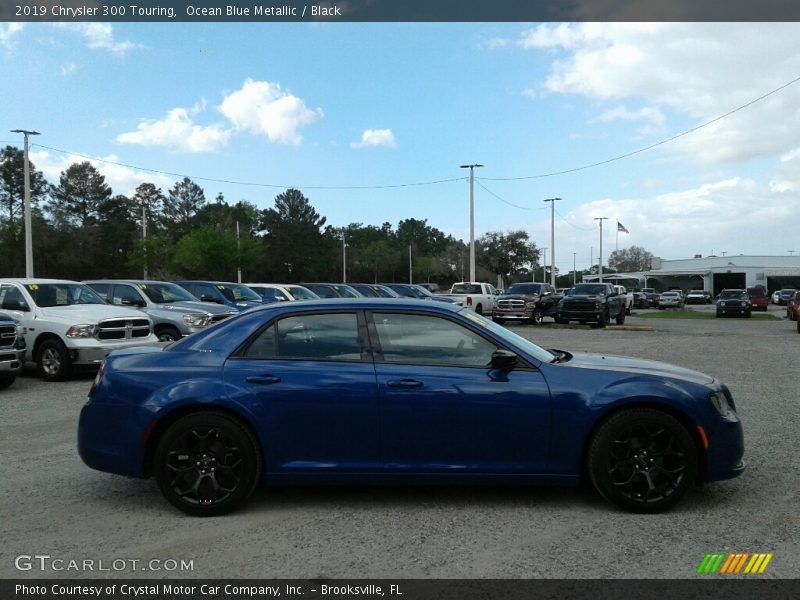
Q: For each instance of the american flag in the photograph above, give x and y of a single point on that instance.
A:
(621, 227)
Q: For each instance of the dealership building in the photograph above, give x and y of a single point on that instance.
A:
(713, 273)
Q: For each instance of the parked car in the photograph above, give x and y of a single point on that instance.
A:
(288, 394)
(734, 302)
(627, 296)
(654, 298)
(592, 303)
(298, 292)
(480, 297)
(271, 292)
(671, 299)
(792, 306)
(699, 297)
(640, 300)
(234, 295)
(409, 290)
(12, 347)
(173, 311)
(775, 296)
(374, 290)
(758, 298)
(332, 290)
(526, 302)
(66, 324)
(784, 295)
(431, 287)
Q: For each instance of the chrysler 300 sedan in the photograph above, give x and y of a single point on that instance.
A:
(385, 391)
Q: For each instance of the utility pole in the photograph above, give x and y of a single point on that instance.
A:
(600, 261)
(28, 232)
(574, 274)
(344, 259)
(552, 202)
(411, 268)
(471, 218)
(144, 235)
(238, 255)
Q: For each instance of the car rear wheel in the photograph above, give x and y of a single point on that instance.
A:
(479, 309)
(642, 460)
(6, 381)
(168, 334)
(621, 318)
(207, 464)
(53, 360)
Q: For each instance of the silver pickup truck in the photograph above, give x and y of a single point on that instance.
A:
(12, 350)
(66, 324)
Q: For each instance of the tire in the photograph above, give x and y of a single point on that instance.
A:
(642, 460)
(197, 449)
(6, 382)
(562, 320)
(168, 334)
(627, 311)
(798, 326)
(748, 315)
(53, 361)
(479, 309)
(621, 318)
(498, 321)
(603, 319)
(537, 317)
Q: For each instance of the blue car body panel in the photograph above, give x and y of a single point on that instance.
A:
(321, 421)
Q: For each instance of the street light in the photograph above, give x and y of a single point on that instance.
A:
(552, 202)
(600, 262)
(28, 233)
(471, 217)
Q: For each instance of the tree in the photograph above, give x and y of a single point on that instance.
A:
(213, 254)
(505, 253)
(77, 199)
(153, 198)
(628, 260)
(185, 199)
(296, 247)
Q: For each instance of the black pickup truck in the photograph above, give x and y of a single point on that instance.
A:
(529, 302)
(592, 303)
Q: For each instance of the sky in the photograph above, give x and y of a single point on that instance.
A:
(350, 113)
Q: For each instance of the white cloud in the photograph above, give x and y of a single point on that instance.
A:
(177, 130)
(787, 175)
(621, 113)
(8, 33)
(68, 69)
(121, 179)
(264, 108)
(99, 36)
(375, 138)
(701, 70)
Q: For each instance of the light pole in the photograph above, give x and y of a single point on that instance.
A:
(344, 259)
(144, 235)
(600, 260)
(574, 274)
(471, 218)
(28, 232)
(238, 255)
(552, 202)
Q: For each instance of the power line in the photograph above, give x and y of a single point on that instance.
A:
(506, 201)
(575, 226)
(651, 146)
(253, 183)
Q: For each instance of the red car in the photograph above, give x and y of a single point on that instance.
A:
(793, 308)
(758, 298)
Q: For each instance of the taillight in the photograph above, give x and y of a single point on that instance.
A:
(97, 378)
(469, 300)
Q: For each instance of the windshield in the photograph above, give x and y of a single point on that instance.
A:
(421, 291)
(527, 289)
(385, 292)
(728, 294)
(345, 291)
(403, 290)
(366, 290)
(512, 338)
(588, 289)
(298, 292)
(466, 288)
(237, 293)
(165, 293)
(62, 294)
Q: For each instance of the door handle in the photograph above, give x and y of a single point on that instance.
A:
(404, 383)
(264, 379)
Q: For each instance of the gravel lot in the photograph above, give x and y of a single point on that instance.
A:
(52, 504)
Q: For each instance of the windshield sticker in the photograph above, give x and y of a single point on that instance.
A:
(222, 287)
(62, 296)
(142, 286)
(32, 287)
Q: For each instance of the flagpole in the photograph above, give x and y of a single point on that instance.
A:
(616, 241)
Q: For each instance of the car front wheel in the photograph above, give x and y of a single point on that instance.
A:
(6, 381)
(168, 334)
(207, 464)
(53, 361)
(642, 460)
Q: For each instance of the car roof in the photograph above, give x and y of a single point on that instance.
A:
(26, 280)
(134, 281)
(365, 304)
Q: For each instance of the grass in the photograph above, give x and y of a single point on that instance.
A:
(671, 313)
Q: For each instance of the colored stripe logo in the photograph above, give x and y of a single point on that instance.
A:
(734, 563)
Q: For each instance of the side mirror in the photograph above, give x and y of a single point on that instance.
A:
(503, 359)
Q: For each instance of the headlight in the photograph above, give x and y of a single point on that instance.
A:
(720, 402)
(196, 320)
(19, 331)
(530, 303)
(80, 331)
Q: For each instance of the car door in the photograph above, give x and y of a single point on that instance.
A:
(443, 409)
(314, 381)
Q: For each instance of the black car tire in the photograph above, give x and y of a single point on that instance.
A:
(537, 317)
(53, 361)
(642, 460)
(627, 311)
(479, 309)
(748, 314)
(498, 321)
(197, 450)
(6, 381)
(621, 318)
(798, 326)
(561, 320)
(603, 319)
(168, 334)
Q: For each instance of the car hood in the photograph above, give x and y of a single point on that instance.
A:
(208, 307)
(518, 297)
(637, 366)
(583, 297)
(88, 313)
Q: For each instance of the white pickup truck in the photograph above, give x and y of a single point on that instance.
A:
(66, 323)
(480, 297)
(628, 296)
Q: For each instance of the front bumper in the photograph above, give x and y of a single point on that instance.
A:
(567, 314)
(513, 314)
(11, 361)
(90, 351)
(733, 310)
(725, 453)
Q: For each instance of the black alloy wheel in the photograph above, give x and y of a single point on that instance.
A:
(642, 460)
(168, 334)
(207, 464)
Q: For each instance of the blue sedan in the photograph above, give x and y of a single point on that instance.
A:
(386, 391)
